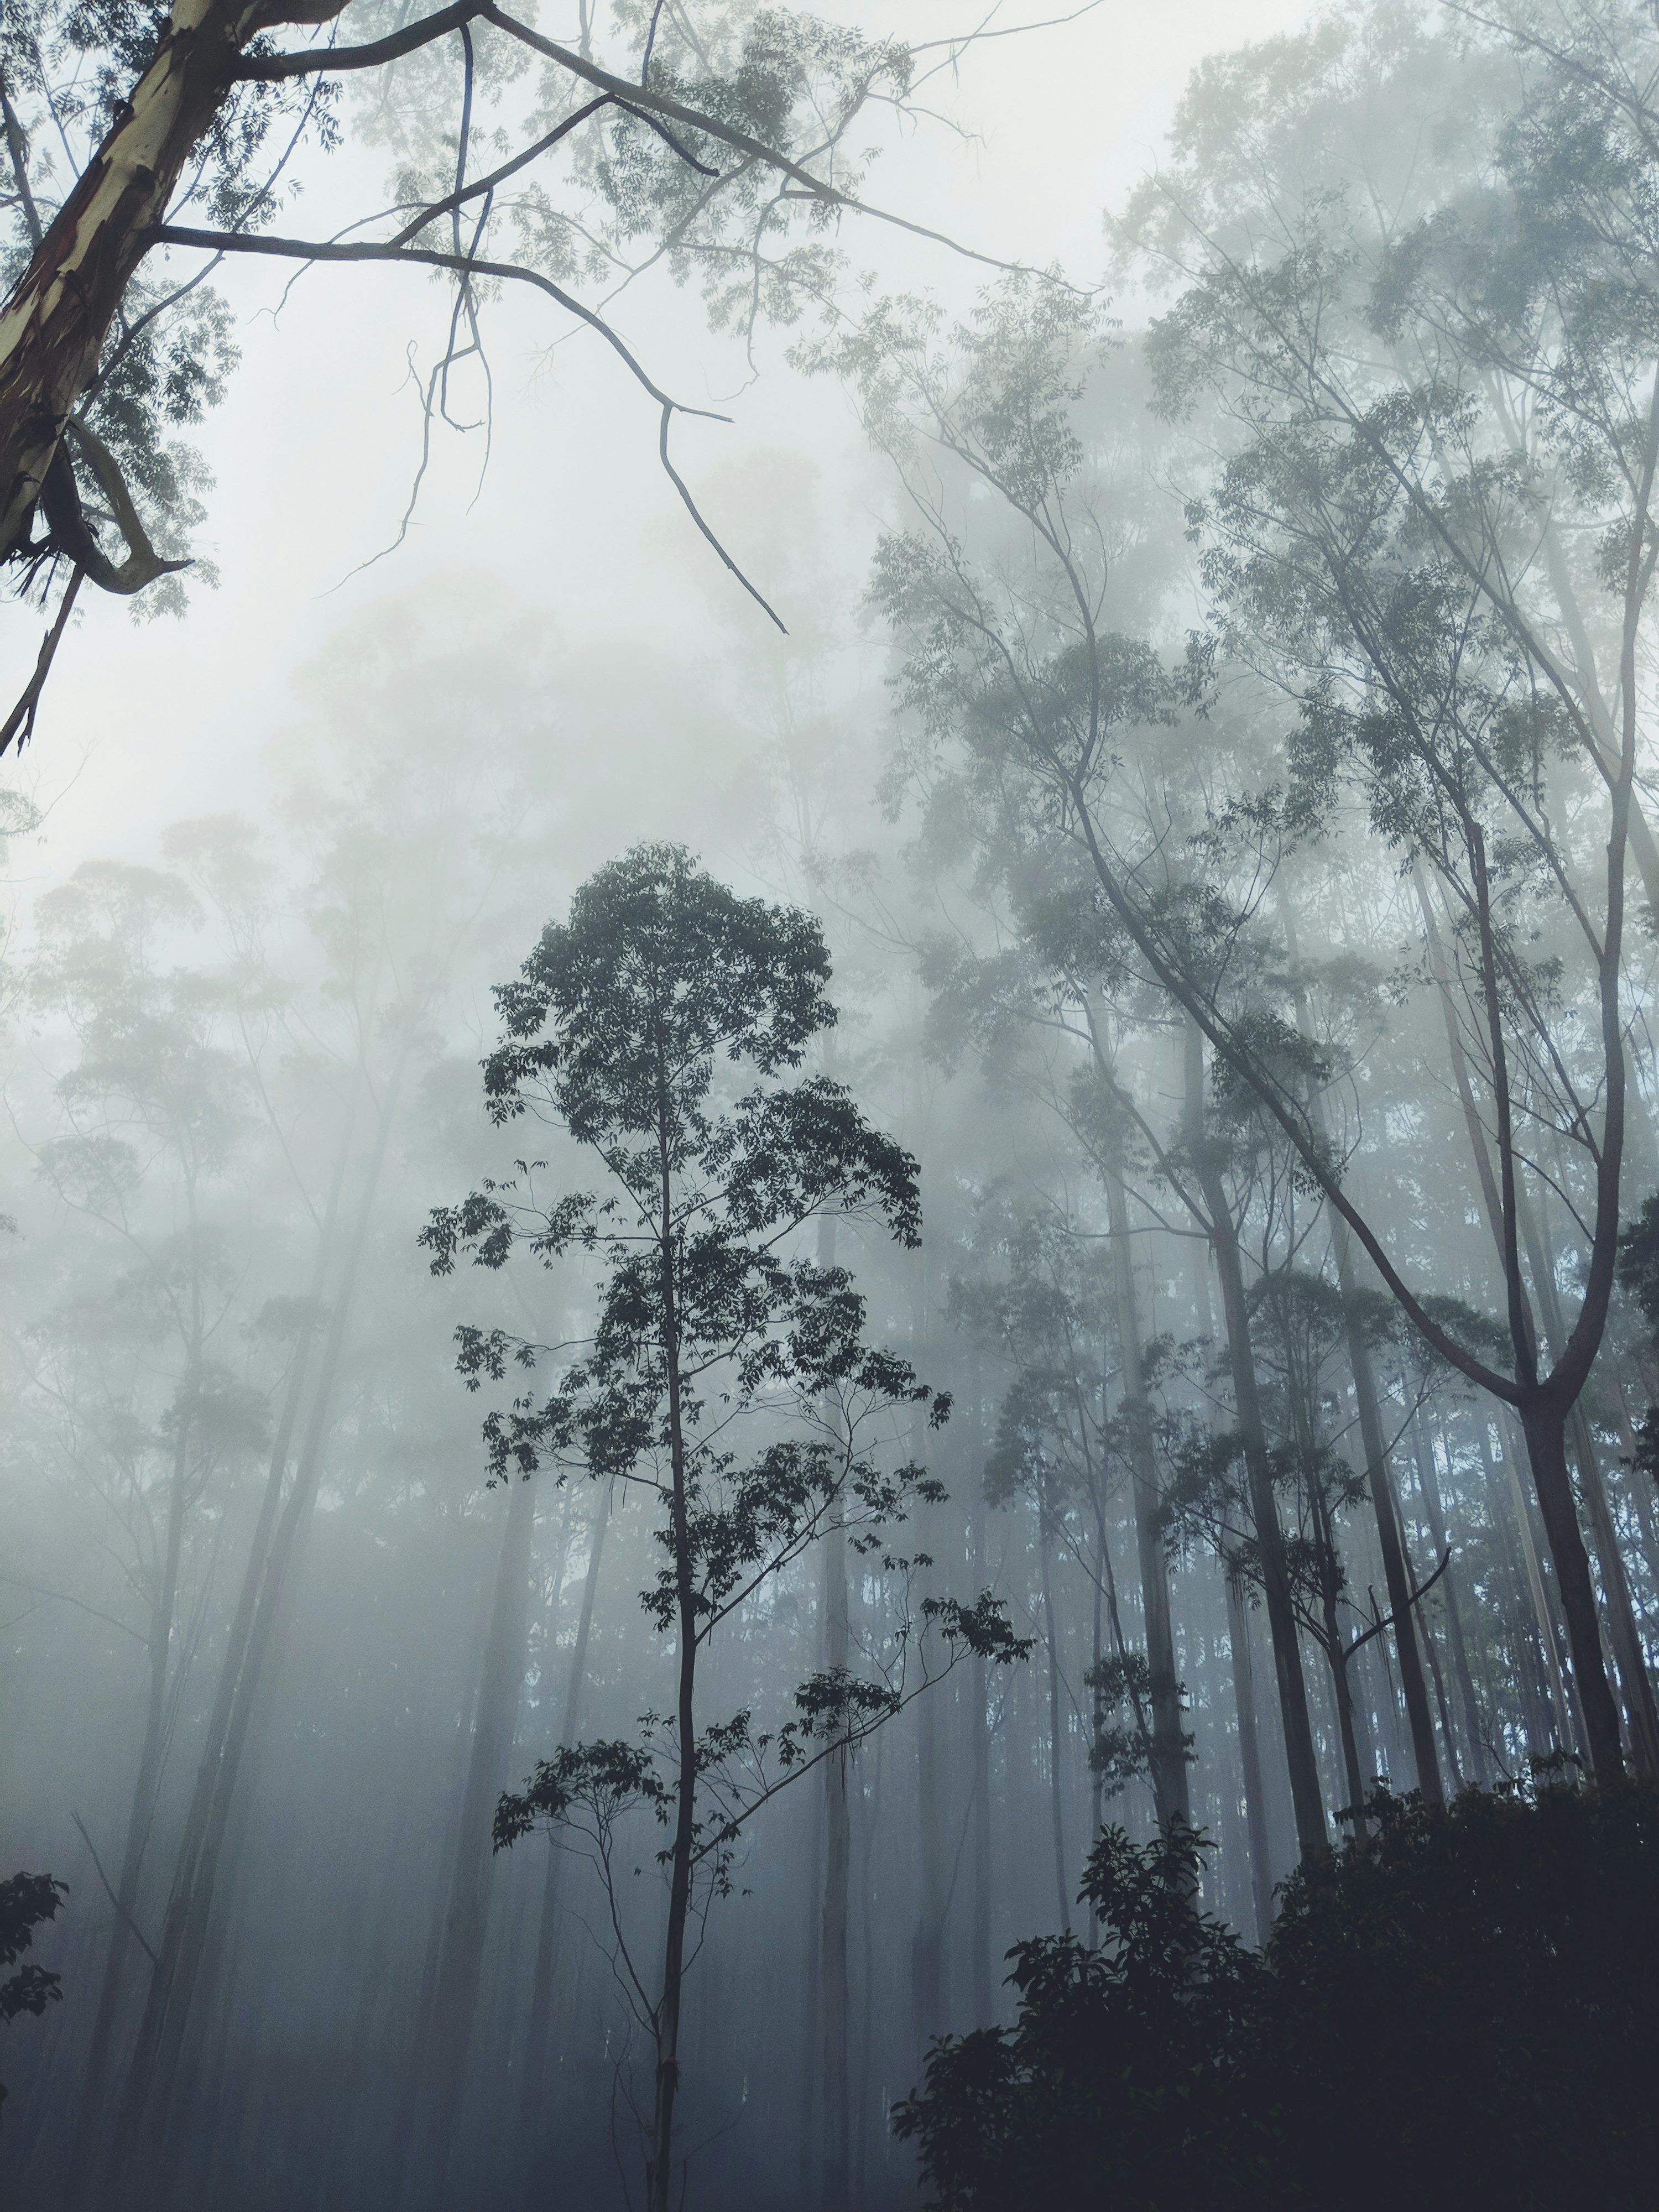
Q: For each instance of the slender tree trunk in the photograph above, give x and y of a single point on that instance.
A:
(872, 1803)
(1056, 1773)
(539, 2032)
(441, 2061)
(1300, 1759)
(980, 1872)
(1171, 1793)
(178, 1958)
(1249, 1752)
(927, 1944)
(1429, 1483)
(1566, 1732)
(140, 1813)
(659, 2173)
(979, 1739)
(837, 1871)
(1624, 1633)
(1379, 1475)
(1336, 1653)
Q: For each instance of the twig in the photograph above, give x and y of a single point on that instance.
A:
(110, 1893)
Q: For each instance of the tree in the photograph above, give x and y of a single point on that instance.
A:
(712, 1325)
(1372, 546)
(135, 133)
(1419, 1987)
(1434, 509)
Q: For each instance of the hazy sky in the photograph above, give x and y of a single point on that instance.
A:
(574, 553)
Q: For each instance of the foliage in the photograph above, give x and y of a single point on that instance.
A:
(25, 1899)
(1125, 2067)
(1460, 1996)
(727, 1376)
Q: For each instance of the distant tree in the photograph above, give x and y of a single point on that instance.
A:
(713, 1327)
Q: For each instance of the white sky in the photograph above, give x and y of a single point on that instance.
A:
(575, 537)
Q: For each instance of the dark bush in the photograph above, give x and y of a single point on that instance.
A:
(1457, 2008)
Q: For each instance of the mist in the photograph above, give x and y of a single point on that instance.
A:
(830, 1278)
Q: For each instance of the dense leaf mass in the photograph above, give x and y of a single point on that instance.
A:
(1457, 2003)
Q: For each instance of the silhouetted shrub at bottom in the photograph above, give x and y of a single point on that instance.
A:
(1459, 2009)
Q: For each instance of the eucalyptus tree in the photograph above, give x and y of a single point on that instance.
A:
(1068, 1437)
(1372, 548)
(1418, 463)
(332, 993)
(727, 1376)
(152, 1112)
(146, 144)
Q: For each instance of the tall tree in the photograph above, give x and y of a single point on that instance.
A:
(708, 1324)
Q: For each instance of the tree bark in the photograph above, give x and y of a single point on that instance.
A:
(1545, 1425)
(184, 1933)
(538, 2035)
(1429, 1483)
(1250, 1752)
(659, 2165)
(1379, 1477)
(837, 1873)
(979, 1944)
(141, 1815)
(1056, 1777)
(1300, 1759)
(1171, 1793)
(55, 322)
(448, 2030)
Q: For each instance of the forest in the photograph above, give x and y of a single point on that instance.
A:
(829, 1100)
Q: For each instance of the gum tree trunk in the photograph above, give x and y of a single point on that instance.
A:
(1311, 1837)
(196, 1874)
(539, 2034)
(1171, 1792)
(1250, 1752)
(448, 2027)
(140, 1815)
(55, 322)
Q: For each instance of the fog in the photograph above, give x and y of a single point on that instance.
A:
(1213, 764)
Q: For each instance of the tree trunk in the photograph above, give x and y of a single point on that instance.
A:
(1378, 1475)
(1299, 1755)
(1385, 1505)
(1429, 1483)
(1056, 1777)
(1171, 1793)
(837, 1873)
(1249, 1753)
(54, 323)
(927, 1944)
(1544, 1419)
(1624, 1633)
(185, 1933)
(658, 2172)
(1567, 1733)
(1545, 1428)
(448, 2030)
(538, 2035)
(140, 1813)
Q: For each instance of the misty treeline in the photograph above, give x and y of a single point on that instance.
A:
(1089, 1276)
